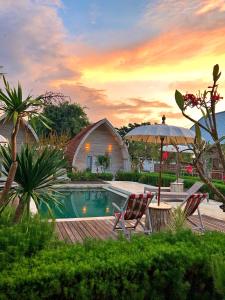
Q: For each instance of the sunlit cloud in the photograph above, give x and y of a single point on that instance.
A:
(211, 5)
(134, 83)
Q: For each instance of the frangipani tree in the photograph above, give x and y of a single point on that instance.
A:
(205, 102)
(16, 107)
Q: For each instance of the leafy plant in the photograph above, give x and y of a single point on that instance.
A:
(205, 102)
(36, 174)
(15, 107)
(66, 118)
(89, 176)
(160, 266)
(24, 239)
(218, 270)
(103, 161)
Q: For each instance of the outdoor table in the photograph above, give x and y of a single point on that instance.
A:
(159, 216)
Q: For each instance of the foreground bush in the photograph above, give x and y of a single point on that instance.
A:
(89, 176)
(162, 266)
(23, 239)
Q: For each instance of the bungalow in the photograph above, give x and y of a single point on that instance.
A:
(97, 139)
(26, 134)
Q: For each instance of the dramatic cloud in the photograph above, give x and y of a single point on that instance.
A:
(211, 5)
(33, 42)
(171, 49)
(98, 105)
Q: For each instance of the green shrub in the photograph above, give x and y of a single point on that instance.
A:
(153, 178)
(218, 271)
(105, 176)
(89, 176)
(162, 266)
(127, 176)
(23, 239)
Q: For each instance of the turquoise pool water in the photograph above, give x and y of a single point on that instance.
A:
(84, 203)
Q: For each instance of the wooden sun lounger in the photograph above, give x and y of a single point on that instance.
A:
(177, 196)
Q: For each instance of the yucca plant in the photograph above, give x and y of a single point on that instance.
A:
(178, 220)
(15, 107)
(35, 176)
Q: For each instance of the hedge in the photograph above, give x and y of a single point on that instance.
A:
(89, 176)
(152, 179)
(160, 266)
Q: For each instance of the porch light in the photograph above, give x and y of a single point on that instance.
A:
(87, 147)
(84, 210)
(110, 148)
(107, 210)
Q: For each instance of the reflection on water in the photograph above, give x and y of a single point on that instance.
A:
(84, 203)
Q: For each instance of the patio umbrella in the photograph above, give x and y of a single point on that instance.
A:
(161, 134)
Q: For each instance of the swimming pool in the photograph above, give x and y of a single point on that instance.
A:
(84, 203)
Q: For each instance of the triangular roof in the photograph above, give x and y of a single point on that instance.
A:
(75, 143)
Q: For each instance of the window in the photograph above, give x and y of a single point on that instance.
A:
(89, 162)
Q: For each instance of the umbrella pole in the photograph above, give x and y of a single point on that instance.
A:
(160, 170)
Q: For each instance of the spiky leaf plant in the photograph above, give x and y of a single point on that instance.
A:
(35, 176)
(15, 108)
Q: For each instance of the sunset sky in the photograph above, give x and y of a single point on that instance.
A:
(122, 59)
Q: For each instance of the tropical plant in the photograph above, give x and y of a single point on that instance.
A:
(103, 161)
(16, 108)
(205, 102)
(35, 176)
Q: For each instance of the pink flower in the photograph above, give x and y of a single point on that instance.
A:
(216, 97)
(189, 169)
(192, 100)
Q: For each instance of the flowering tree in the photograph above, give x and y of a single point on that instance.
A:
(205, 102)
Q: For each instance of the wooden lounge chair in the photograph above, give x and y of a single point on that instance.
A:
(133, 209)
(176, 196)
(191, 205)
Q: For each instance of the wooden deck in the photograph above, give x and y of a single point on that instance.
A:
(78, 231)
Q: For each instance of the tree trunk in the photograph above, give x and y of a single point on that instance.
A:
(210, 184)
(13, 167)
(19, 211)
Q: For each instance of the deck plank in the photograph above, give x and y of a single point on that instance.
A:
(78, 231)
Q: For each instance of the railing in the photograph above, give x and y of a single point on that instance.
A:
(214, 174)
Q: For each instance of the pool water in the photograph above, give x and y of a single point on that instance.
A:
(83, 204)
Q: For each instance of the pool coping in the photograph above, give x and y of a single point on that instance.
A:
(84, 219)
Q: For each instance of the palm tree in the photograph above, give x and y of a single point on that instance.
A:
(37, 172)
(15, 108)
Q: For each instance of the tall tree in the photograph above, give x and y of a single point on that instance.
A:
(125, 129)
(66, 118)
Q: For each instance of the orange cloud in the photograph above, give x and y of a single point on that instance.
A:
(211, 5)
(121, 112)
(168, 49)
